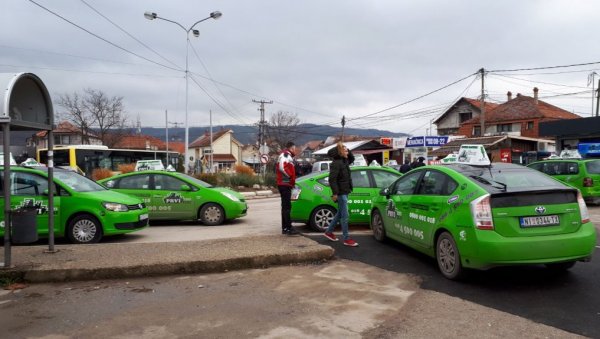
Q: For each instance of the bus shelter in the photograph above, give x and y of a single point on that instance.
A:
(26, 106)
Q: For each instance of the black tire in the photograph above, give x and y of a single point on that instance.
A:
(448, 257)
(212, 214)
(561, 266)
(377, 226)
(84, 229)
(321, 217)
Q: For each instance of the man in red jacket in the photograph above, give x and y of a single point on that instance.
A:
(286, 179)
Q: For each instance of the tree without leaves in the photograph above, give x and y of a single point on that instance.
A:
(95, 113)
(282, 127)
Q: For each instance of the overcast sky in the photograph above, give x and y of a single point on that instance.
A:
(320, 59)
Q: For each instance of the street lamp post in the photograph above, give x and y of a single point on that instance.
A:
(214, 15)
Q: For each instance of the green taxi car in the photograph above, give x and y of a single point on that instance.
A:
(583, 174)
(479, 217)
(311, 197)
(84, 211)
(178, 196)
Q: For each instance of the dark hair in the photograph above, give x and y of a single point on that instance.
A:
(289, 144)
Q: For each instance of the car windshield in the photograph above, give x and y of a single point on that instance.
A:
(593, 167)
(512, 179)
(196, 181)
(78, 182)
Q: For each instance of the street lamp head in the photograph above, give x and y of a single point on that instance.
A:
(196, 32)
(216, 14)
(150, 15)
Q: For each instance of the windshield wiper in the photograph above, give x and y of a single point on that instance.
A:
(489, 182)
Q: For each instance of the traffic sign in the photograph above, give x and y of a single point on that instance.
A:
(264, 158)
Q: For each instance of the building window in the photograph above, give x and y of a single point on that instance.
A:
(529, 125)
(462, 117)
(62, 139)
(476, 131)
(504, 128)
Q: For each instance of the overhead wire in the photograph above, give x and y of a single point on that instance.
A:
(101, 38)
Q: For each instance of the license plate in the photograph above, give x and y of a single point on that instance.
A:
(545, 220)
(144, 216)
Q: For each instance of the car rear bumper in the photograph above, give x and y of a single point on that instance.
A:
(492, 249)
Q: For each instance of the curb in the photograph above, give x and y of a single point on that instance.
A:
(122, 260)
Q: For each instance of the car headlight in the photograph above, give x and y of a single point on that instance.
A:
(231, 196)
(115, 207)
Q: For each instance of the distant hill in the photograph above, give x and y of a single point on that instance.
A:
(249, 134)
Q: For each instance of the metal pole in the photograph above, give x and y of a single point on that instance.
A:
(482, 108)
(211, 141)
(186, 160)
(167, 135)
(6, 185)
(597, 98)
(51, 191)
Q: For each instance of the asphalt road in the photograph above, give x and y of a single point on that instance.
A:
(569, 300)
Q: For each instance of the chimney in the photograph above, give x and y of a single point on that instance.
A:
(535, 95)
(509, 95)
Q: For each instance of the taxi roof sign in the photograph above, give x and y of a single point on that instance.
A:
(145, 165)
(473, 155)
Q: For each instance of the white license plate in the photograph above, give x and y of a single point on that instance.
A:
(545, 220)
(144, 216)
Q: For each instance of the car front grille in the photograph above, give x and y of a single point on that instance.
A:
(136, 207)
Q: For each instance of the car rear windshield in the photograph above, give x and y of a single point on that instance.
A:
(512, 179)
(593, 167)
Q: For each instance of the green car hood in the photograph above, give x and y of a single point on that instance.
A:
(230, 191)
(111, 196)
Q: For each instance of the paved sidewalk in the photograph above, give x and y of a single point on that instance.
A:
(106, 261)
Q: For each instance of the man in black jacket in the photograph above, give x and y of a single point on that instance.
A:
(340, 181)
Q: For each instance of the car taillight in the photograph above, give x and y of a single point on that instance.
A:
(481, 210)
(296, 193)
(588, 182)
(583, 211)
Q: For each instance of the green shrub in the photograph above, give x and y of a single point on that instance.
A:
(210, 178)
(243, 179)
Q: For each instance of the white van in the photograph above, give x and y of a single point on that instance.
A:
(321, 166)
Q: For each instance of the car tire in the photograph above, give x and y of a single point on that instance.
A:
(84, 229)
(448, 257)
(212, 214)
(321, 217)
(561, 266)
(377, 226)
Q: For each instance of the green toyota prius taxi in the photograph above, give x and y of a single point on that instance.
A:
(84, 211)
(311, 197)
(178, 196)
(473, 216)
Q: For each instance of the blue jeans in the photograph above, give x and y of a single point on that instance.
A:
(341, 216)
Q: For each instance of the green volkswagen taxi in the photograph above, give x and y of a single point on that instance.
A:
(311, 197)
(178, 196)
(583, 174)
(471, 215)
(84, 211)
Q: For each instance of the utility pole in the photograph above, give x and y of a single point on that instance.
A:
(262, 123)
(482, 108)
(597, 98)
(167, 136)
(343, 124)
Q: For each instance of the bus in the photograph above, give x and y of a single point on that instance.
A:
(85, 158)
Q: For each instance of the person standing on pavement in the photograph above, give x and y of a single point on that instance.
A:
(340, 181)
(405, 167)
(286, 179)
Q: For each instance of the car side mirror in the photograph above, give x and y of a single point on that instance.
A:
(46, 192)
(385, 192)
(185, 188)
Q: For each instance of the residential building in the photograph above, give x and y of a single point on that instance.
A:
(65, 134)
(463, 110)
(226, 151)
(519, 116)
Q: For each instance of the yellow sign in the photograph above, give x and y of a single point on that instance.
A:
(386, 157)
